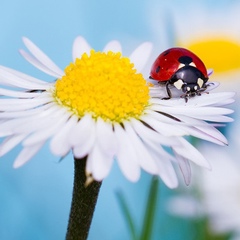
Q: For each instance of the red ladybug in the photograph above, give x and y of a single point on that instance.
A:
(181, 68)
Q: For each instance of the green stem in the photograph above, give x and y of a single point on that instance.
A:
(150, 209)
(127, 214)
(83, 203)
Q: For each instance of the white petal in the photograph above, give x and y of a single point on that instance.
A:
(32, 123)
(22, 104)
(114, 46)
(83, 137)
(80, 151)
(29, 124)
(224, 102)
(38, 64)
(10, 79)
(212, 99)
(195, 112)
(163, 128)
(185, 168)
(19, 114)
(215, 118)
(23, 75)
(82, 130)
(163, 117)
(42, 57)
(144, 157)
(106, 138)
(126, 156)
(15, 101)
(164, 164)
(80, 46)
(6, 131)
(18, 94)
(9, 143)
(151, 135)
(186, 150)
(100, 163)
(203, 130)
(210, 134)
(141, 55)
(166, 171)
(158, 149)
(43, 135)
(60, 144)
(26, 154)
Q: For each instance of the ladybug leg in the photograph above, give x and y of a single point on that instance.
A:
(205, 86)
(168, 92)
(185, 96)
(202, 89)
(209, 84)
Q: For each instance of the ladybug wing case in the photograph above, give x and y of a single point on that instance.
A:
(169, 61)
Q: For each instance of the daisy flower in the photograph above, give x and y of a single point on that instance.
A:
(102, 107)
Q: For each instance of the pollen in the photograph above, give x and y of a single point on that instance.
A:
(105, 85)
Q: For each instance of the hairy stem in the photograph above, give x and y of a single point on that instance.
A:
(83, 203)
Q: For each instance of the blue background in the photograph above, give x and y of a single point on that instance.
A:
(35, 199)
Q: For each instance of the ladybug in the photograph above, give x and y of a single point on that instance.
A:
(181, 68)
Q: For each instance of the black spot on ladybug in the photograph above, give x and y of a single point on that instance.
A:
(166, 52)
(185, 60)
(158, 69)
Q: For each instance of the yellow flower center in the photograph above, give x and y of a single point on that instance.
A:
(105, 85)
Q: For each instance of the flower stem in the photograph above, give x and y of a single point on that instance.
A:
(150, 209)
(83, 203)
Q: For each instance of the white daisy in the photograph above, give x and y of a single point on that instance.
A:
(101, 107)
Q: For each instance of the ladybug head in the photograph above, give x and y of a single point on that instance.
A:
(189, 79)
(190, 88)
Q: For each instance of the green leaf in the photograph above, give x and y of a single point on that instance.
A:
(150, 210)
(127, 215)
